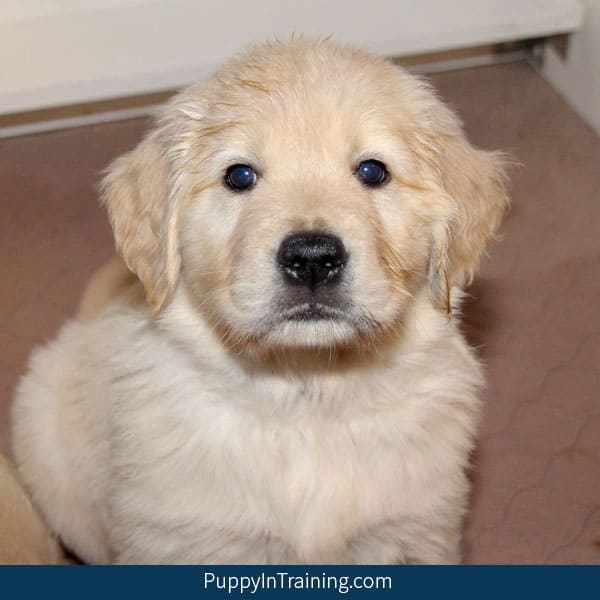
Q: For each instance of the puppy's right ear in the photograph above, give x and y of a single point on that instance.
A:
(143, 216)
(472, 183)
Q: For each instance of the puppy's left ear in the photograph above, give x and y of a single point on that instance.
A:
(143, 214)
(474, 183)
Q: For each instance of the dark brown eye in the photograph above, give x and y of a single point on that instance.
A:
(372, 173)
(240, 178)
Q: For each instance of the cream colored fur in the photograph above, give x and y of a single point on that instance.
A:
(203, 426)
(24, 537)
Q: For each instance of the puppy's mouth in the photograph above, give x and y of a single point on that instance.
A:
(313, 324)
(312, 311)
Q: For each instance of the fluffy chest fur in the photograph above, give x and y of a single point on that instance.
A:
(296, 466)
(162, 452)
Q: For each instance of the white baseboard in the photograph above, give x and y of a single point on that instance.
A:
(147, 106)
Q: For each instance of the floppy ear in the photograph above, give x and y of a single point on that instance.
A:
(143, 216)
(473, 182)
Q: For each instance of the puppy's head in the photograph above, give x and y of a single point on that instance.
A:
(304, 196)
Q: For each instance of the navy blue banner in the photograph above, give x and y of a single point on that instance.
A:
(230, 582)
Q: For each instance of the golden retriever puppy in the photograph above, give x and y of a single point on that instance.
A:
(294, 387)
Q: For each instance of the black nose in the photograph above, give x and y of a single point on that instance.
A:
(312, 258)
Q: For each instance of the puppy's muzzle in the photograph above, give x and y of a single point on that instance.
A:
(312, 259)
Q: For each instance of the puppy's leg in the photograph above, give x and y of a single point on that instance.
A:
(60, 448)
(24, 537)
(57, 432)
(409, 542)
(185, 544)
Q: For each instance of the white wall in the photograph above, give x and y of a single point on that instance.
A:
(11, 10)
(55, 52)
(577, 77)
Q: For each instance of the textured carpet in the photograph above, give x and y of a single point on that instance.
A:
(533, 311)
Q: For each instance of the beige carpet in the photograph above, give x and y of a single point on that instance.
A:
(533, 313)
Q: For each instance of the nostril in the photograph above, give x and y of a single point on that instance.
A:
(312, 258)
